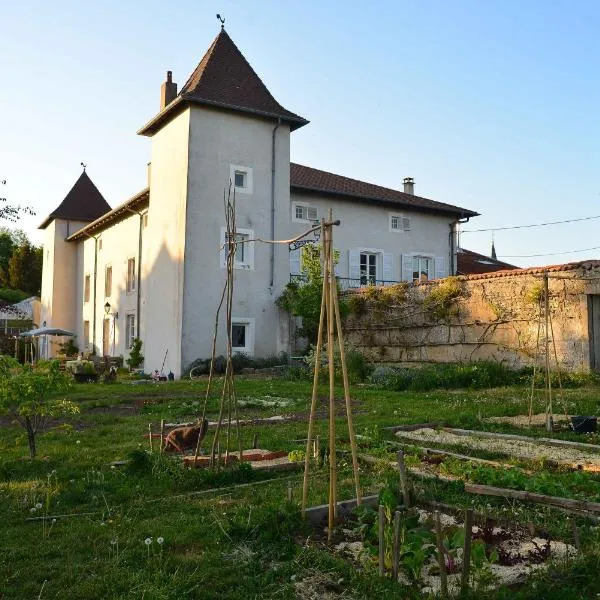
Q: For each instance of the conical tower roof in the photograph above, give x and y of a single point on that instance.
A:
(83, 203)
(225, 79)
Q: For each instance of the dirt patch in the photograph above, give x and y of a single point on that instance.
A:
(117, 410)
(320, 586)
(515, 448)
(536, 420)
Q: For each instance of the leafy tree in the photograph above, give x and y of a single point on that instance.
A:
(25, 268)
(303, 299)
(29, 394)
(7, 246)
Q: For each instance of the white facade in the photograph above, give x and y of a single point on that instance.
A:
(153, 268)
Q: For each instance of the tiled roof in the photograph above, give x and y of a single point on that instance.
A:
(83, 203)
(584, 265)
(314, 180)
(471, 263)
(137, 202)
(225, 79)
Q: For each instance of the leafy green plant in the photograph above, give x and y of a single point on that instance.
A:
(481, 563)
(69, 348)
(136, 358)
(440, 303)
(29, 395)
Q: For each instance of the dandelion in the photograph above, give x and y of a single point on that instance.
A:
(32, 509)
(160, 540)
(148, 541)
(53, 521)
(38, 505)
(78, 442)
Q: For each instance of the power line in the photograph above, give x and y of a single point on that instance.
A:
(548, 254)
(530, 225)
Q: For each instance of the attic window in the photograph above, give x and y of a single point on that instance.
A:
(304, 212)
(399, 223)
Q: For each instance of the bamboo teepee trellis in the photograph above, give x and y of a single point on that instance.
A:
(330, 316)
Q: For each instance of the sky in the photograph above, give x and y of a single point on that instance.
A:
(490, 105)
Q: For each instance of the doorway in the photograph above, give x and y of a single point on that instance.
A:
(105, 336)
(594, 330)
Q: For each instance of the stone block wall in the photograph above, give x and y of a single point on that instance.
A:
(494, 317)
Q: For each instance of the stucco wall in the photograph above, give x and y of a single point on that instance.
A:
(495, 319)
(217, 141)
(366, 227)
(163, 272)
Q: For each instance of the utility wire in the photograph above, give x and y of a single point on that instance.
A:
(548, 254)
(530, 225)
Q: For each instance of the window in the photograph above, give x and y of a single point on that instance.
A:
(100, 244)
(145, 220)
(241, 178)
(129, 330)
(86, 289)
(368, 268)
(86, 334)
(244, 250)
(131, 275)
(107, 282)
(399, 223)
(304, 213)
(242, 335)
(422, 268)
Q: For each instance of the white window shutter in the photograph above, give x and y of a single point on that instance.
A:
(388, 266)
(354, 264)
(440, 267)
(405, 223)
(295, 266)
(312, 213)
(407, 267)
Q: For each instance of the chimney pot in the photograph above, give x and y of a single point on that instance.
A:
(409, 185)
(168, 91)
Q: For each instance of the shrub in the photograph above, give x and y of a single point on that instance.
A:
(356, 363)
(69, 348)
(136, 357)
(440, 303)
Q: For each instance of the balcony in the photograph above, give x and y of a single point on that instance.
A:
(346, 283)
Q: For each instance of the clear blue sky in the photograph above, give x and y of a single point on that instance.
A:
(490, 105)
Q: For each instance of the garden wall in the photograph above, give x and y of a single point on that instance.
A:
(477, 317)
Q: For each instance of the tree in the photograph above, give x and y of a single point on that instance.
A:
(25, 268)
(29, 394)
(303, 299)
(12, 212)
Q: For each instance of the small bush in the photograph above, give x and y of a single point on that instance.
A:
(356, 363)
(440, 303)
(135, 354)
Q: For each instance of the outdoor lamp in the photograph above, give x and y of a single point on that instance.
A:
(107, 308)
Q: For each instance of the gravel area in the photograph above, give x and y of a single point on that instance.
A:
(515, 448)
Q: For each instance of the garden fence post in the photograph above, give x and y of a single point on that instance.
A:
(403, 479)
(162, 435)
(150, 436)
(575, 533)
(396, 551)
(466, 566)
(441, 557)
(381, 540)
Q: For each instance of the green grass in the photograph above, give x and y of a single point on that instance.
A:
(238, 543)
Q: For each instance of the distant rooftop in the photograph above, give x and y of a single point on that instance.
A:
(473, 263)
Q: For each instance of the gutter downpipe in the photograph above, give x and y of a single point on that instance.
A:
(272, 246)
(95, 238)
(454, 242)
(139, 274)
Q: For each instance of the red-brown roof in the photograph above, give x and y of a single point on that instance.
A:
(316, 181)
(472, 263)
(83, 203)
(225, 79)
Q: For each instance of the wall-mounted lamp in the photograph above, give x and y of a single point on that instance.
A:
(107, 308)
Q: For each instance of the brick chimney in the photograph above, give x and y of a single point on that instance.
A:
(409, 186)
(168, 91)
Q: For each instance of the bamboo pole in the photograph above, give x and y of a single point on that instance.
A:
(315, 387)
(466, 566)
(549, 424)
(162, 435)
(150, 436)
(440, 555)
(535, 360)
(403, 479)
(330, 360)
(381, 527)
(396, 547)
(340, 336)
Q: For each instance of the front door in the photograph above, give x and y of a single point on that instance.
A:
(105, 336)
(594, 330)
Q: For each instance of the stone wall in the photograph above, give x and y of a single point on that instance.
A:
(484, 317)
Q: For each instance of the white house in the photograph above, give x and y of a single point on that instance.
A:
(152, 267)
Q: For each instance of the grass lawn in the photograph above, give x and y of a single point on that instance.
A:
(242, 543)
